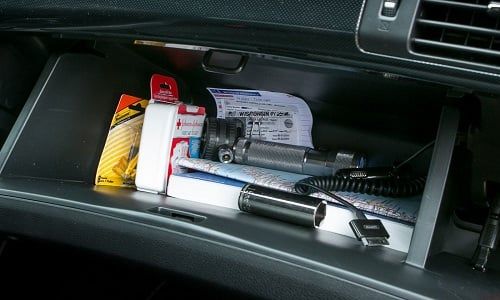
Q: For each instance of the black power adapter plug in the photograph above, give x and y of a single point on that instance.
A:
(488, 240)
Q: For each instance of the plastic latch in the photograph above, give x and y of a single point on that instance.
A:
(224, 62)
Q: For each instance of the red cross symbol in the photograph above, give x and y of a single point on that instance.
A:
(178, 124)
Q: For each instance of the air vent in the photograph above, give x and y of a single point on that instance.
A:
(466, 30)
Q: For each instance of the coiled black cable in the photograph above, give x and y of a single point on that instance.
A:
(389, 187)
(385, 182)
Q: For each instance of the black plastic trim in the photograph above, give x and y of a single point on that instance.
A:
(455, 47)
(449, 25)
(458, 4)
(250, 250)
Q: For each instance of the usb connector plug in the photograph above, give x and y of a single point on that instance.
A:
(370, 232)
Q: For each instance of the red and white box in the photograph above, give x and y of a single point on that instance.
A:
(170, 131)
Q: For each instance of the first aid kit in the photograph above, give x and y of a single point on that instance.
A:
(171, 130)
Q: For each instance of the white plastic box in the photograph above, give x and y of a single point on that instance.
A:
(169, 131)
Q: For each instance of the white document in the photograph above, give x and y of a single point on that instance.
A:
(269, 116)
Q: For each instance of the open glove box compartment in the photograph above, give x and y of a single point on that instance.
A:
(49, 160)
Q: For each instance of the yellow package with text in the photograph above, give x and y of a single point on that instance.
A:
(118, 163)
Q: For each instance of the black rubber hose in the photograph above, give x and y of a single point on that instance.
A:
(391, 187)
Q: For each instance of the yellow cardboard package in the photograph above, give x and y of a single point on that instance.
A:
(118, 163)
